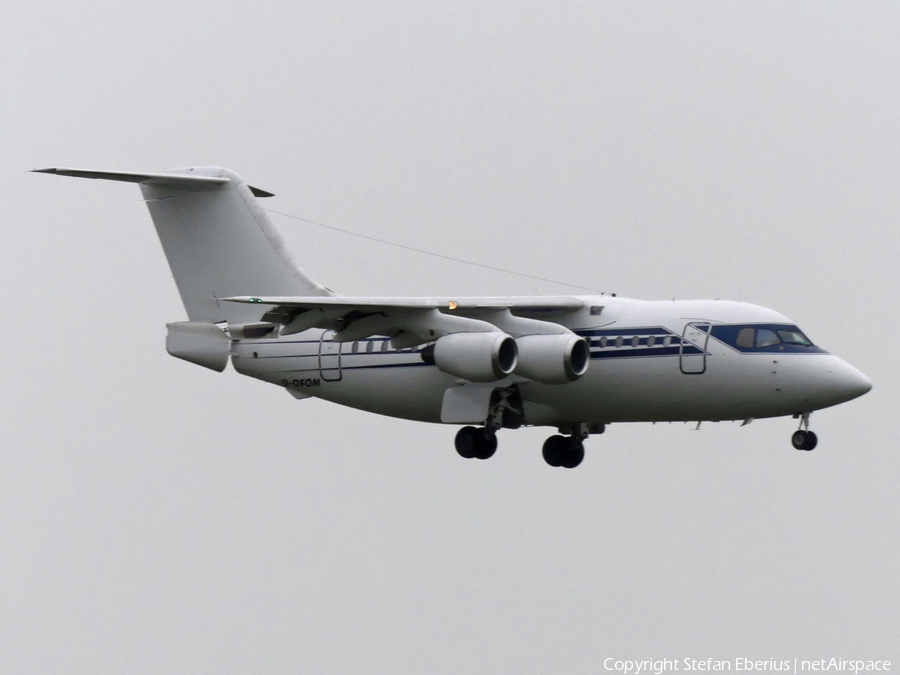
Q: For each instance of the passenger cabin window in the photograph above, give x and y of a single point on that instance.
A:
(384, 345)
(370, 345)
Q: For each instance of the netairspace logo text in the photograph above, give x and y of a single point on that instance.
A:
(794, 666)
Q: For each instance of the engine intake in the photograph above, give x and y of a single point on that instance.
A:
(479, 357)
(552, 359)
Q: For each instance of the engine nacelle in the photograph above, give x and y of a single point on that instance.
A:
(478, 357)
(552, 359)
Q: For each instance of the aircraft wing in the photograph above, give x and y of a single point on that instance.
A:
(412, 321)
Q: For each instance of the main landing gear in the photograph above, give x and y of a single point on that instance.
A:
(803, 438)
(565, 451)
(476, 442)
(568, 451)
(559, 450)
(505, 410)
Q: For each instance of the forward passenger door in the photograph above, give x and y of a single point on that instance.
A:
(692, 352)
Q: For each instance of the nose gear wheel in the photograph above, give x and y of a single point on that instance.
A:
(804, 440)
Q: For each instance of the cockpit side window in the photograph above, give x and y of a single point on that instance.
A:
(745, 337)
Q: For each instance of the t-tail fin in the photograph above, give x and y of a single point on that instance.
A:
(218, 240)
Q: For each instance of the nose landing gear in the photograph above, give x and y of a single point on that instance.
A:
(803, 438)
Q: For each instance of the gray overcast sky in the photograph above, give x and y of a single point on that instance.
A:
(156, 517)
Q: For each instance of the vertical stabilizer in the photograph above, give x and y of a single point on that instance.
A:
(219, 242)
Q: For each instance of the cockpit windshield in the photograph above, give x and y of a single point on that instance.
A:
(794, 337)
(764, 338)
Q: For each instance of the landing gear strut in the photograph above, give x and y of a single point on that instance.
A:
(476, 442)
(803, 438)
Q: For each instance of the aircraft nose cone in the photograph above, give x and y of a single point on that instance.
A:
(848, 382)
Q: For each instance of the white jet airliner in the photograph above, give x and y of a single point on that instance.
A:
(576, 363)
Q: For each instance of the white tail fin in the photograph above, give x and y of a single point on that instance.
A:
(218, 241)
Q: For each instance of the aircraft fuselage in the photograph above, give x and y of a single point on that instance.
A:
(651, 361)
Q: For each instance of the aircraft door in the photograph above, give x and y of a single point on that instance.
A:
(692, 352)
(329, 357)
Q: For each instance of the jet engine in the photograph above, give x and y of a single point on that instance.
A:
(552, 359)
(479, 357)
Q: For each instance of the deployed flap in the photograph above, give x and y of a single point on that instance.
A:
(198, 342)
(468, 404)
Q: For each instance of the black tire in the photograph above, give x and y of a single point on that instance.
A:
(488, 445)
(468, 441)
(798, 440)
(574, 453)
(811, 441)
(554, 450)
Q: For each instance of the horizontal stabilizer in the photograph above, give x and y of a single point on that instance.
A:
(162, 179)
(173, 179)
